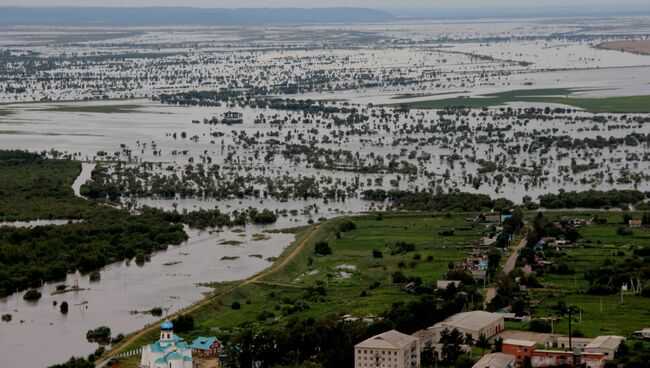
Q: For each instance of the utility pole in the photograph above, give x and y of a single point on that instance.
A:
(570, 341)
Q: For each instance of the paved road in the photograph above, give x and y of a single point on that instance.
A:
(507, 268)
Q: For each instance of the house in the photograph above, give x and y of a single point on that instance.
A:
(170, 351)
(520, 349)
(391, 349)
(475, 323)
(444, 284)
(496, 360)
(206, 346)
(562, 342)
(487, 241)
(493, 218)
(634, 223)
(606, 345)
(642, 334)
(554, 358)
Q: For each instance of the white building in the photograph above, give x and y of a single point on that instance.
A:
(606, 345)
(496, 360)
(475, 323)
(390, 349)
(168, 352)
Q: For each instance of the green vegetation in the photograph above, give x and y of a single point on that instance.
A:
(589, 276)
(310, 285)
(101, 109)
(5, 112)
(31, 188)
(35, 188)
(626, 104)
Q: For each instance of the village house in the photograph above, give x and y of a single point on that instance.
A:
(635, 223)
(391, 349)
(493, 218)
(475, 323)
(206, 346)
(496, 360)
(642, 334)
(520, 349)
(562, 342)
(606, 345)
(554, 358)
(444, 284)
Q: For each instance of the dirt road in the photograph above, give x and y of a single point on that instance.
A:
(507, 268)
(256, 278)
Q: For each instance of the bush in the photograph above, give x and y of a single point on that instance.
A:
(32, 294)
(95, 276)
(156, 312)
(235, 305)
(377, 254)
(101, 333)
(6, 317)
(624, 230)
(64, 307)
(347, 226)
(322, 248)
(183, 323)
(540, 325)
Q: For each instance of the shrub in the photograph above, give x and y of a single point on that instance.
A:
(540, 325)
(322, 248)
(377, 254)
(95, 276)
(235, 305)
(32, 294)
(6, 317)
(64, 307)
(183, 323)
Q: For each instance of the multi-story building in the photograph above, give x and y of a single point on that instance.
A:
(391, 349)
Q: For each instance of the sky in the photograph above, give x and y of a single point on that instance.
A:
(377, 4)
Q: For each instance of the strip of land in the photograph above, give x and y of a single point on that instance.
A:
(637, 47)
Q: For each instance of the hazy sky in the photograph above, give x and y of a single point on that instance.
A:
(384, 4)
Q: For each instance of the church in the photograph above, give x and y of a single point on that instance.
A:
(168, 352)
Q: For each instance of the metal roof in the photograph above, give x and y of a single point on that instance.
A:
(605, 342)
(475, 320)
(495, 360)
(388, 340)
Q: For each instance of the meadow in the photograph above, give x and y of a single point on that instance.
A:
(347, 281)
(626, 104)
(607, 314)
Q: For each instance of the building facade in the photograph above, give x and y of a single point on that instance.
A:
(170, 351)
(391, 349)
(520, 349)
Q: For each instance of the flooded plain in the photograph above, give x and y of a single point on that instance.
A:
(302, 163)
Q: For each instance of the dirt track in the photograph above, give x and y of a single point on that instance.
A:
(256, 278)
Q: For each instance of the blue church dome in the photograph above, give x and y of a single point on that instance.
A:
(167, 326)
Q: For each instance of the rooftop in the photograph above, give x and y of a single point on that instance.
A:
(388, 340)
(605, 342)
(517, 342)
(495, 360)
(475, 320)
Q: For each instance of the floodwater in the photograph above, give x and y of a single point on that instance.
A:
(126, 287)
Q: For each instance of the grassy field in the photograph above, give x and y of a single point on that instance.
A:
(599, 243)
(346, 273)
(627, 104)
(102, 109)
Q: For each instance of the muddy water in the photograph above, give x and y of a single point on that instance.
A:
(124, 288)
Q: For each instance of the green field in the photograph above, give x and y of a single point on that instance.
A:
(278, 291)
(627, 104)
(598, 244)
(101, 109)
